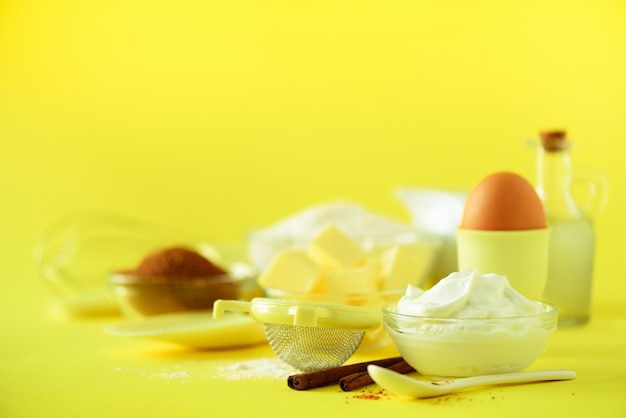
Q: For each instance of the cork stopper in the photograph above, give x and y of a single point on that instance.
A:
(553, 141)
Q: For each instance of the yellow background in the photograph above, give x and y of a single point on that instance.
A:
(219, 117)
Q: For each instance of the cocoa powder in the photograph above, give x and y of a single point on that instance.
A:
(177, 262)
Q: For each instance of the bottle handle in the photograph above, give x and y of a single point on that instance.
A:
(591, 191)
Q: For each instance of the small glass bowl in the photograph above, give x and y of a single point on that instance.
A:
(459, 347)
(139, 296)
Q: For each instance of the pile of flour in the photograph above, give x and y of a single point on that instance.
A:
(354, 220)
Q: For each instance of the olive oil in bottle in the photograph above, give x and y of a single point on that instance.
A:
(572, 239)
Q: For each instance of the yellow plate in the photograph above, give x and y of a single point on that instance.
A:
(195, 329)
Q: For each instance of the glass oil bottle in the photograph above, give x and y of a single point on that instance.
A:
(573, 238)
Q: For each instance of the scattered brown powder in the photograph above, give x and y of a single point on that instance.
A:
(372, 394)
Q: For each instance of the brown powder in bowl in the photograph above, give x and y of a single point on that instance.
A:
(173, 279)
(177, 262)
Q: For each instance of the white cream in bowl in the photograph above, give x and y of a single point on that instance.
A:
(469, 324)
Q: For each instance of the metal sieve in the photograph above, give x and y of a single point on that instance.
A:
(307, 335)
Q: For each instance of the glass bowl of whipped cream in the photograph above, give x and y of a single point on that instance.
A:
(469, 324)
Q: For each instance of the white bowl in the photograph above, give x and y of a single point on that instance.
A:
(436, 212)
(453, 347)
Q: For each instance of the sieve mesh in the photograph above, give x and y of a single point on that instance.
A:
(312, 348)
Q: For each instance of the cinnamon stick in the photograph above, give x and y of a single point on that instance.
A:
(331, 375)
(360, 379)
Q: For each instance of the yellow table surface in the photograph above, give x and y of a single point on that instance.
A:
(221, 117)
(58, 367)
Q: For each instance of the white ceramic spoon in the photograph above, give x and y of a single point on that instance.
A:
(408, 386)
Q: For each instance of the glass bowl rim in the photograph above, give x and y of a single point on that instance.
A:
(416, 237)
(283, 292)
(131, 279)
(551, 311)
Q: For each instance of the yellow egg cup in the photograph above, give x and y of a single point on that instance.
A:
(521, 256)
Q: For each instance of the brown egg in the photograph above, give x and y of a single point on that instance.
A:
(503, 201)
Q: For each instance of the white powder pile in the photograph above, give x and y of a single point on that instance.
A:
(176, 372)
(266, 368)
(257, 369)
(175, 375)
(352, 218)
(298, 229)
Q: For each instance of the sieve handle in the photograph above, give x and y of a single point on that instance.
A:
(222, 305)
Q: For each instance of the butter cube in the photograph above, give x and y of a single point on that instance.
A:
(333, 250)
(402, 264)
(291, 270)
(352, 280)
